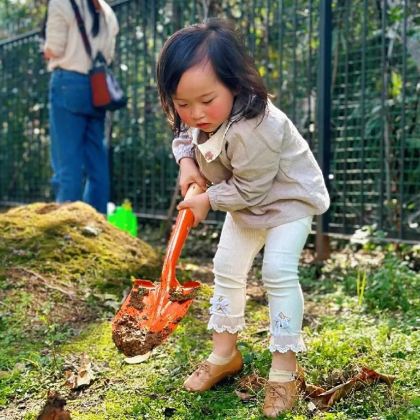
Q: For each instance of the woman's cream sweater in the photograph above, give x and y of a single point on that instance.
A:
(63, 37)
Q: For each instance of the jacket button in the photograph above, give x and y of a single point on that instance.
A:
(208, 155)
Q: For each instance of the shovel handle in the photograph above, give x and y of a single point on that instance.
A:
(183, 224)
(194, 189)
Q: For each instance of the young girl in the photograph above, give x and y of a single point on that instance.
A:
(262, 174)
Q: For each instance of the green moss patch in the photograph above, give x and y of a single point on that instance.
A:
(73, 244)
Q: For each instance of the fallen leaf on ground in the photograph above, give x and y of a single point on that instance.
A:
(137, 359)
(54, 408)
(318, 397)
(84, 377)
(325, 399)
(248, 386)
(312, 391)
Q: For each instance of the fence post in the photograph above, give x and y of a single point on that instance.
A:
(324, 120)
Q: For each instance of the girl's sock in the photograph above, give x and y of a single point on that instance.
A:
(277, 375)
(219, 360)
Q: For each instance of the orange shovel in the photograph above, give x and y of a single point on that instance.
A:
(152, 311)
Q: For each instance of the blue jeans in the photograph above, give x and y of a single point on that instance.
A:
(79, 155)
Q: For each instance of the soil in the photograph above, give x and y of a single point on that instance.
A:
(137, 299)
(177, 295)
(132, 340)
(128, 332)
(74, 244)
(70, 308)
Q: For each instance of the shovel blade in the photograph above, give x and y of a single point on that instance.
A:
(151, 312)
(148, 316)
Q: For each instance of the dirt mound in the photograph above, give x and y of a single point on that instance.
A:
(74, 242)
(61, 255)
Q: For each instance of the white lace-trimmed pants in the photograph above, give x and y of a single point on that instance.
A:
(235, 254)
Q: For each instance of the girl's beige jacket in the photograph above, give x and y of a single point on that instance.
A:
(261, 170)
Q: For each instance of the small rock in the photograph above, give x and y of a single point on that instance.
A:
(90, 230)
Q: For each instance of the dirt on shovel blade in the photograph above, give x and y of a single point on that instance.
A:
(132, 340)
(137, 328)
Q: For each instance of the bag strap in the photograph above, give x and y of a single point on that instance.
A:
(82, 29)
(44, 22)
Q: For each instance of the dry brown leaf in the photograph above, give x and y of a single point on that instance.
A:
(54, 408)
(248, 386)
(244, 396)
(365, 377)
(137, 359)
(318, 397)
(84, 377)
(312, 391)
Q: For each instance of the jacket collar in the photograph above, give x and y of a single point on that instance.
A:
(212, 147)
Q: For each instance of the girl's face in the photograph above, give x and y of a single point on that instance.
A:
(201, 99)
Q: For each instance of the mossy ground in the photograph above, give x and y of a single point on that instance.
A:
(344, 329)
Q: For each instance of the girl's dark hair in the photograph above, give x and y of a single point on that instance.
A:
(92, 10)
(217, 42)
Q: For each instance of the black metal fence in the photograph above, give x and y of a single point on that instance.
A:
(375, 117)
(371, 146)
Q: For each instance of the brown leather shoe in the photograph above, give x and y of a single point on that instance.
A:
(279, 397)
(207, 374)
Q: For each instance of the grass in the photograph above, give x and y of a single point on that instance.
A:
(344, 330)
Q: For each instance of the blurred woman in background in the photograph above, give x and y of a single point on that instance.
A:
(79, 156)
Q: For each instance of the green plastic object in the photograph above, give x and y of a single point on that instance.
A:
(124, 218)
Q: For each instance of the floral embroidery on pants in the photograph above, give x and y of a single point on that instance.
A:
(280, 322)
(219, 305)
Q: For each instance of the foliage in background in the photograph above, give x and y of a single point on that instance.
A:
(20, 16)
(375, 117)
(381, 277)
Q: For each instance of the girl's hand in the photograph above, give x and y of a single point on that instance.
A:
(199, 205)
(189, 173)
